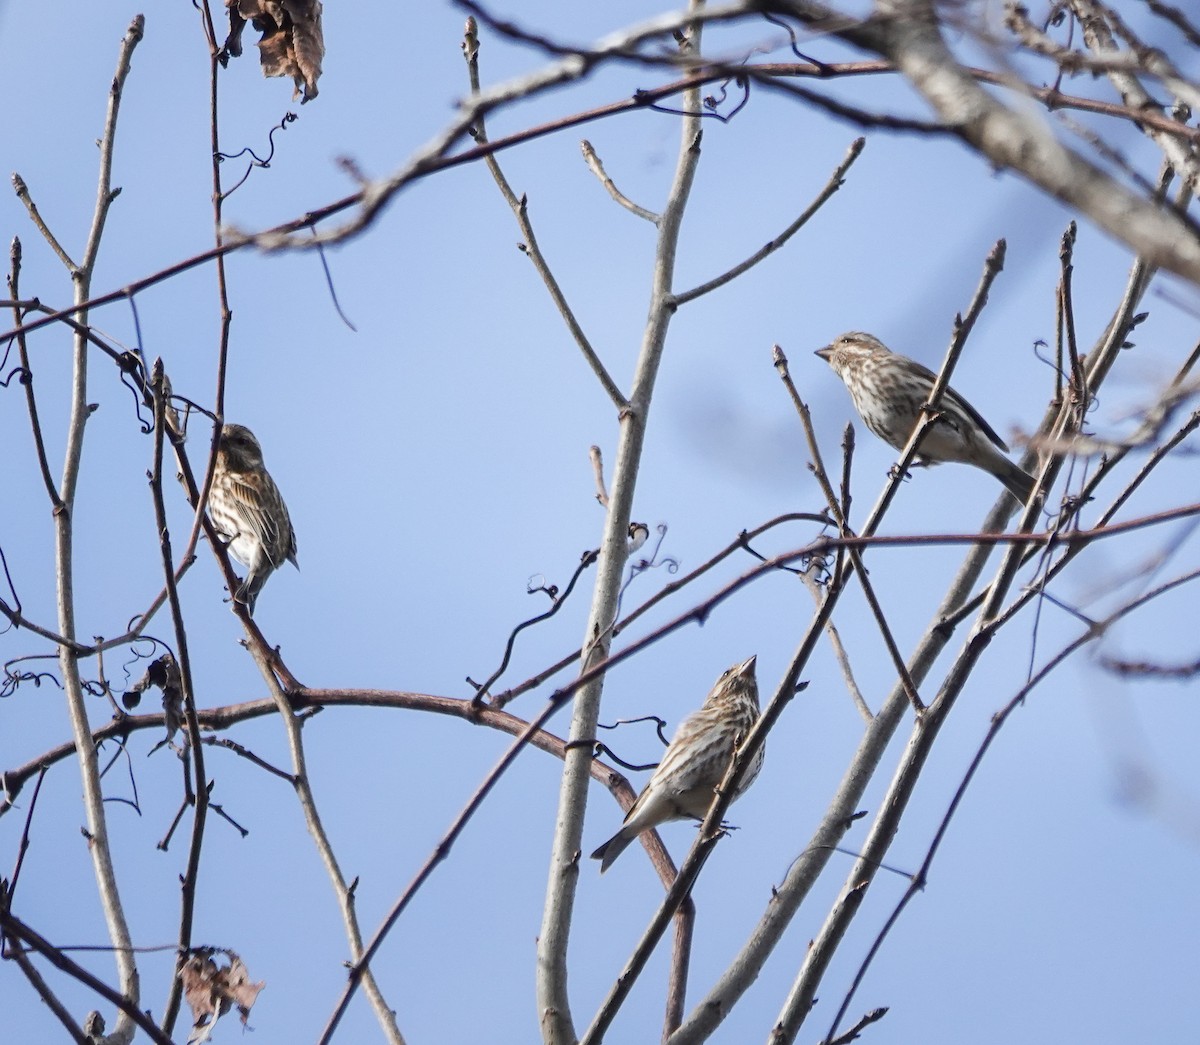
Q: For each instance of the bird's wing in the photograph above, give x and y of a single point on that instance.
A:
(951, 396)
(261, 505)
(974, 415)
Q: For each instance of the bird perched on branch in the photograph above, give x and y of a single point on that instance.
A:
(248, 511)
(695, 761)
(889, 390)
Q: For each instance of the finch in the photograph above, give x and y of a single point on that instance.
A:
(889, 390)
(248, 511)
(695, 761)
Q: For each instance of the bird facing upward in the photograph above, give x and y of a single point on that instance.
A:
(695, 761)
(248, 511)
(889, 390)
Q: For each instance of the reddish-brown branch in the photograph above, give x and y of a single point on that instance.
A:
(642, 99)
(302, 697)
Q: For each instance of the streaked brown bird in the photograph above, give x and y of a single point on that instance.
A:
(889, 390)
(695, 761)
(248, 511)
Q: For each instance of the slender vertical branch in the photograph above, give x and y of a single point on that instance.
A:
(553, 940)
(183, 658)
(840, 655)
(218, 200)
(344, 890)
(681, 959)
(520, 209)
(39, 442)
(225, 314)
(99, 846)
(174, 997)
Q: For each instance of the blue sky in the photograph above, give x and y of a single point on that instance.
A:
(436, 459)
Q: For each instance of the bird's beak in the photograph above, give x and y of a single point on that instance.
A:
(747, 667)
(824, 353)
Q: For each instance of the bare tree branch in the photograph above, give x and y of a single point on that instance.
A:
(836, 181)
(99, 848)
(597, 168)
(553, 1002)
(907, 33)
(520, 209)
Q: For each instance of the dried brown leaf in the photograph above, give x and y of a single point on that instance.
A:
(233, 42)
(308, 43)
(292, 43)
(163, 673)
(199, 976)
(211, 990)
(238, 987)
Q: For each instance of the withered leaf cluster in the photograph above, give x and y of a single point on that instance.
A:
(212, 990)
(163, 673)
(292, 43)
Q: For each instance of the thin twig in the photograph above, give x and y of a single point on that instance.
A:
(1077, 388)
(900, 790)
(23, 845)
(22, 191)
(557, 600)
(598, 475)
(248, 755)
(199, 793)
(13, 926)
(39, 442)
(781, 364)
(332, 289)
(435, 160)
(99, 847)
(520, 211)
(597, 168)
(836, 180)
(853, 1034)
(787, 688)
(808, 578)
(1177, 19)
(1090, 634)
(16, 951)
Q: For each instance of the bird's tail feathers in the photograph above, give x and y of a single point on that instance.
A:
(611, 849)
(1019, 482)
(248, 590)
